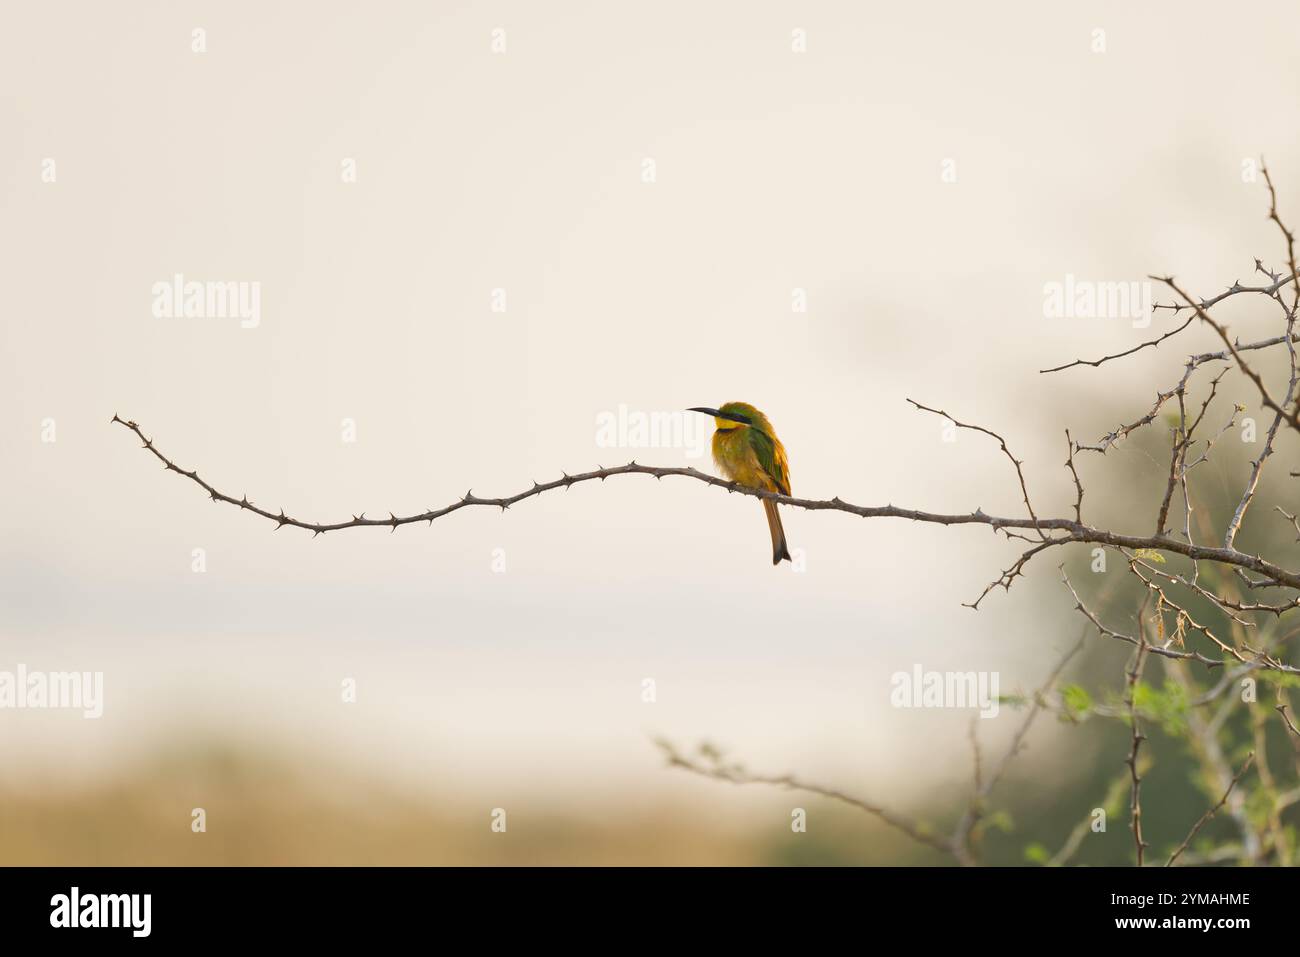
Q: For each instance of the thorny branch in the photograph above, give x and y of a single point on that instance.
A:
(1074, 531)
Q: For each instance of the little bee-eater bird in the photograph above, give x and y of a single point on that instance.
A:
(748, 452)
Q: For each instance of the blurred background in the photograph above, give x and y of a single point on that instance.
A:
(477, 230)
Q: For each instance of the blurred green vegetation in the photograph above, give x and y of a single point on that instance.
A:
(1192, 746)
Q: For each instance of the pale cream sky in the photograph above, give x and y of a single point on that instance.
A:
(524, 171)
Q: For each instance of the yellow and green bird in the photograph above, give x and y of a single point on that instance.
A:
(748, 452)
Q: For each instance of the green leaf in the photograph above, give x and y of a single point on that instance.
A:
(1150, 555)
(1167, 705)
(1001, 821)
(1076, 699)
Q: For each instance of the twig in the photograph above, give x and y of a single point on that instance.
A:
(738, 775)
(1015, 462)
(1211, 812)
(1130, 700)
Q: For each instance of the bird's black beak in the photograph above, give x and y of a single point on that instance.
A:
(718, 413)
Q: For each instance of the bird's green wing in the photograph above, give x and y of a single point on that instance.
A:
(771, 456)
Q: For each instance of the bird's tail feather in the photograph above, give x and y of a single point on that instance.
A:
(779, 550)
